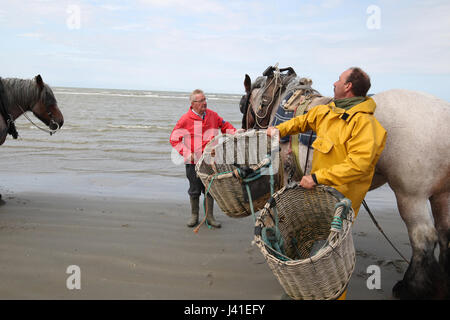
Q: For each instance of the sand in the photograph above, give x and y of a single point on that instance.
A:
(140, 248)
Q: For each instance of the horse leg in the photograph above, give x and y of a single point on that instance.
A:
(3, 135)
(424, 278)
(441, 214)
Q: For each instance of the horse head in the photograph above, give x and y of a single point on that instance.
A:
(46, 107)
(250, 101)
(245, 101)
(260, 102)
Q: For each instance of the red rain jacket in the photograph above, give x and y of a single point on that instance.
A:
(197, 132)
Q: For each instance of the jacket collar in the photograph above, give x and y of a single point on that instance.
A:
(195, 114)
(368, 106)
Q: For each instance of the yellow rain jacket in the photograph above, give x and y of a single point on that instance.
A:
(348, 145)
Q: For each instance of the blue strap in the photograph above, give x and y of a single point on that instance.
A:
(271, 236)
(336, 223)
(273, 239)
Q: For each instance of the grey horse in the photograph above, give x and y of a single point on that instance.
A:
(416, 165)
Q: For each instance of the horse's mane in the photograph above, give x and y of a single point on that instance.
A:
(24, 91)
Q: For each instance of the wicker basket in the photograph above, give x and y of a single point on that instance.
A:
(304, 221)
(226, 157)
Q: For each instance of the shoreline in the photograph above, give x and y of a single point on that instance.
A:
(140, 248)
(120, 186)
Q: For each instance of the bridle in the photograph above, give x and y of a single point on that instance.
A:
(52, 121)
(49, 113)
(276, 81)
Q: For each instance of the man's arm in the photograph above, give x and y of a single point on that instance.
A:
(176, 139)
(298, 124)
(224, 126)
(308, 182)
(227, 127)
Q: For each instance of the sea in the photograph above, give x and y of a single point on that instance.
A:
(113, 142)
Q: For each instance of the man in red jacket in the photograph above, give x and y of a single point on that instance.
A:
(189, 137)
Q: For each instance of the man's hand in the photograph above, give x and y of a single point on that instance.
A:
(307, 182)
(273, 132)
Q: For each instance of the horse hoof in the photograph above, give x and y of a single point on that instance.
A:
(399, 291)
(403, 291)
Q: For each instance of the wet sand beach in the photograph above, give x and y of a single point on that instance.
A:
(140, 248)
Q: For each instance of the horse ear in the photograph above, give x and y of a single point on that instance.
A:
(39, 81)
(247, 83)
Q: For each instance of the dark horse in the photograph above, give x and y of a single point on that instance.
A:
(416, 167)
(18, 96)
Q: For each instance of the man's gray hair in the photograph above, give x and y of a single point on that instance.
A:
(196, 91)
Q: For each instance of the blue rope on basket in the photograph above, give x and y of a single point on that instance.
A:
(270, 235)
(336, 223)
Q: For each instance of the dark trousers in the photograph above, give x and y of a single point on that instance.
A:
(196, 186)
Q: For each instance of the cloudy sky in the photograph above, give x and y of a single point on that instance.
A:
(181, 45)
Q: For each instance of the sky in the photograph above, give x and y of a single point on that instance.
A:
(180, 45)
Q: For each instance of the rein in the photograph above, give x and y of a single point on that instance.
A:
(381, 230)
(277, 80)
(51, 132)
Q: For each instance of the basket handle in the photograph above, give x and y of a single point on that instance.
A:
(335, 193)
(292, 185)
(341, 210)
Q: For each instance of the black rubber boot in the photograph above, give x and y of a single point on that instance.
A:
(194, 212)
(210, 213)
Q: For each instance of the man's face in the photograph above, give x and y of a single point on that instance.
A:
(341, 88)
(199, 103)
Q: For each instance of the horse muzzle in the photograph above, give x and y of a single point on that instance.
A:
(53, 125)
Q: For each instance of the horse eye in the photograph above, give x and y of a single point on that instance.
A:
(49, 99)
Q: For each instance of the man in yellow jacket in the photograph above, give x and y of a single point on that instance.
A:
(349, 138)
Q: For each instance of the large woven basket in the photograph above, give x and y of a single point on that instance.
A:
(226, 157)
(317, 263)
